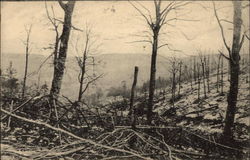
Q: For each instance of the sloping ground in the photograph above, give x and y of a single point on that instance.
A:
(207, 114)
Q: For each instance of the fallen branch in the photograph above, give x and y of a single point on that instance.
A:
(18, 107)
(202, 110)
(74, 136)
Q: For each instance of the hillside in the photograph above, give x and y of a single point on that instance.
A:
(189, 130)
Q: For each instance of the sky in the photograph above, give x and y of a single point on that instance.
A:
(116, 25)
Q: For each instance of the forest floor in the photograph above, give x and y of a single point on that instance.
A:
(189, 130)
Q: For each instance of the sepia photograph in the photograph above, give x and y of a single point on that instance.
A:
(125, 80)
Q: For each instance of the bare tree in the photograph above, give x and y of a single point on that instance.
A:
(218, 74)
(194, 70)
(190, 73)
(179, 80)
(222, 78)
(85, 61)
(61, 55)
(155, 24)
(234, 58)
(207, 68)
(198, 79)
(203, 61)
(27, 52)
(173, 70)
(132, 109)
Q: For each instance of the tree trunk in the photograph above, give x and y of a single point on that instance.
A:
(132, 109)
(222, 80)
(179, 91)
(26, 70)
(173, 87)
(28, 30)
(60, 64)
(195, 71)
(191, 81)
(83, 69)
(207, 64)
(204, 81)
(152, 77)
(218, 71)
(234, 72)
(198, 79)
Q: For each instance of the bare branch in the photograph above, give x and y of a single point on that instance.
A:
(224, 20)
(73, 27)
(62, 4)
(221, 28)
(41, 65)
(150, 23)
(221, 53)
(142, 41)
(91, 81)
(166, 44)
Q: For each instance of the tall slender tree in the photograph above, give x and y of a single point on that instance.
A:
(27, 52)
(59, 65)
(155, 22)
(85, 61)
(234, 59)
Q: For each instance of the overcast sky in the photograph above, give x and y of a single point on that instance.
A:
(115, 25)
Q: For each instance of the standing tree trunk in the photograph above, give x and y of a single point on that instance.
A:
(222, 80)
(203, 77)
(199, 80)
(83, 69)
(234, 72)
(191, 81)
(132, 109)
(152, 77)
(228, 72)
(60, 61)
(218, 72)
(173, 88)
(195, 78)
(179, 91)
(27, 50)
(207, 64)
(159, 19)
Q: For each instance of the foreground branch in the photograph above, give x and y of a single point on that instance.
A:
(72, 135)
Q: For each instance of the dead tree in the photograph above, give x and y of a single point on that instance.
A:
(222, 78)
(63, 47)
(191, 77)
(218, 74)
(132, 109)
(202, 61)
(179, 81)
(27, 52)
(194, 71)
(173, 70)
(228, 72)
(155, 24)
(203, 77)
(207, 64)
(234, 59)
(198, 79)
(86, 61)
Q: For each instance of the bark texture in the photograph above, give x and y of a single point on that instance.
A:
(59, 65)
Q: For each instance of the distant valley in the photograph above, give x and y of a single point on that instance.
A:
(115, 67)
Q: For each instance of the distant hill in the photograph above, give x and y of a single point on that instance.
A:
(115, 67)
